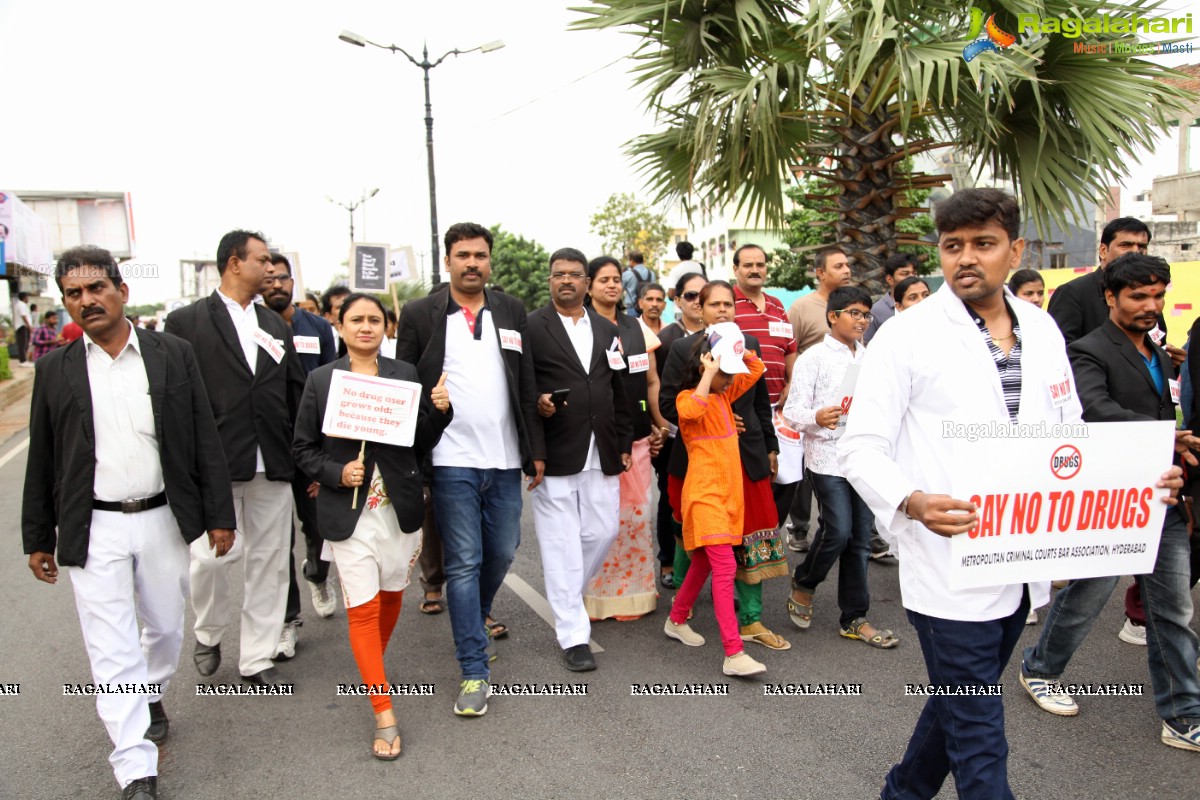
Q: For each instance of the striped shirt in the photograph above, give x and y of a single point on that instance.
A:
(1009, 366)
(774, 333)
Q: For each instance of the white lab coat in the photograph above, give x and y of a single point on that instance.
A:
(929, 365)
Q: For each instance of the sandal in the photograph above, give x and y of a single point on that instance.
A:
(389, 734)
(757, 632)
(884, 640)
(800, 613)
(497, 630)
(433, 606)
(667, 579)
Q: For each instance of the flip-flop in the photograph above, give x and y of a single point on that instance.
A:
(435, 606)
(497, 630)
(389, 734)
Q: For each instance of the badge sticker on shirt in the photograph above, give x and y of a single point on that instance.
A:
(1157, 335)
(1061, 392)
(1174, 384)
(268, 343)
(511, 340)
(781, 330)
(614, 359)
(307, 345)
(639, 363)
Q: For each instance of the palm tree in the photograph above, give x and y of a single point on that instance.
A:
(750, 92)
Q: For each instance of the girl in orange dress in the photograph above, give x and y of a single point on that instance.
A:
(720, 370)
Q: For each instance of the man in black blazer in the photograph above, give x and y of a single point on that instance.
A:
(1079, 307)
(1122, 375)
(589, 437)
(254, 381)
(125, 470)
(477, 340)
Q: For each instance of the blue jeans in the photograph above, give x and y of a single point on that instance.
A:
(844, 537)
(963, 734)
(1171, 642)
(479, 516)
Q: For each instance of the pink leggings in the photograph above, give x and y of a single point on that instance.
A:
(717, 559)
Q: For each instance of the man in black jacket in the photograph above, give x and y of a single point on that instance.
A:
(254, 381)
(589, 438)
(1122, 375)
(476, 339)
(125, 470)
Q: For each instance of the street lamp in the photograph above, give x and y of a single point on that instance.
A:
(351, 208)
(425, 65)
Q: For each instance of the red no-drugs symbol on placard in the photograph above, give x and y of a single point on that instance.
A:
(1066, 462)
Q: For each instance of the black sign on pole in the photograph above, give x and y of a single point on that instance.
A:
(369, 267)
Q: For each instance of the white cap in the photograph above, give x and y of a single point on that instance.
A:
(726, 341)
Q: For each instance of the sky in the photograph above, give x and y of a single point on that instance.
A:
(230, 115)
(224, 115)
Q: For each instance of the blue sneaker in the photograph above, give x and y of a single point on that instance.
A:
(1184, 740)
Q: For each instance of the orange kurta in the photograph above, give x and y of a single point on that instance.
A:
(712, 490)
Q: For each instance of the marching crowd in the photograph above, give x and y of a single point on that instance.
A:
(158, 461)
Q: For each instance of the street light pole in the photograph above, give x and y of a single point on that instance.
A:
(425, 65)
(351, 207)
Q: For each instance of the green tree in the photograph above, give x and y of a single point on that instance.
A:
(521, 267)
(147, 311)
(626, 224)
(751, 90)
(811, 225)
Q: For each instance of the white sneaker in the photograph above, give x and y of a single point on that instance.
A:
(683, 633)
(1133, 634)
(324, 602)
(287, 642)
(1049, 696)
(742, 665)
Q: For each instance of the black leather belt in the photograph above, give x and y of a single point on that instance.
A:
(131, 506)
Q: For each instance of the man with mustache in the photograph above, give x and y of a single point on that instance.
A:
(254, 382)
(313, 339)
(965, 354)
(125, 469)
(589, 439)
(475, 339)
(1123, 375)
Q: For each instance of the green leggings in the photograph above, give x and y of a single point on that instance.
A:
(749, 595)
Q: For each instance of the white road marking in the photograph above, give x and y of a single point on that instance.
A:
(539, 604)
(11, 454)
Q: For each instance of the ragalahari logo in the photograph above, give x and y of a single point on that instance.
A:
(993, 37)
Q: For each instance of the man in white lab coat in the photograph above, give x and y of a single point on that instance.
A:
(971, 353)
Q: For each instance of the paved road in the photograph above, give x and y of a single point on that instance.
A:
(605, 745)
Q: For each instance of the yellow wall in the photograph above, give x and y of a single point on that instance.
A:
(1183, 295)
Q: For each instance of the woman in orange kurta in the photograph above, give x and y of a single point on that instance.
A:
(721, 370)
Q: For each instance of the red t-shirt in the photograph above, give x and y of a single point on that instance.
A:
(71, 331)
(774, 333)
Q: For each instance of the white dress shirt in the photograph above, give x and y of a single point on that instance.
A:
(817, 383)
(580, 333)
(245, 322)
(127, 462)
(483, 433)
(926, 366)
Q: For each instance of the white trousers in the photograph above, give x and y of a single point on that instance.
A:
(137, 567)
(264, 519)
(575, 517)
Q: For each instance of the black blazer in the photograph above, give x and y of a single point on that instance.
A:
(421, 340)
(754, 407)
(323, 457)
(597, 404)
(251, 410)
(1112, 380)
(61, 471)
(1078, 306)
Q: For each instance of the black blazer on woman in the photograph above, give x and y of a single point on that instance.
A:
(323, 457)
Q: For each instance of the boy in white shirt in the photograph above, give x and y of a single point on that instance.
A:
(819, 398)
